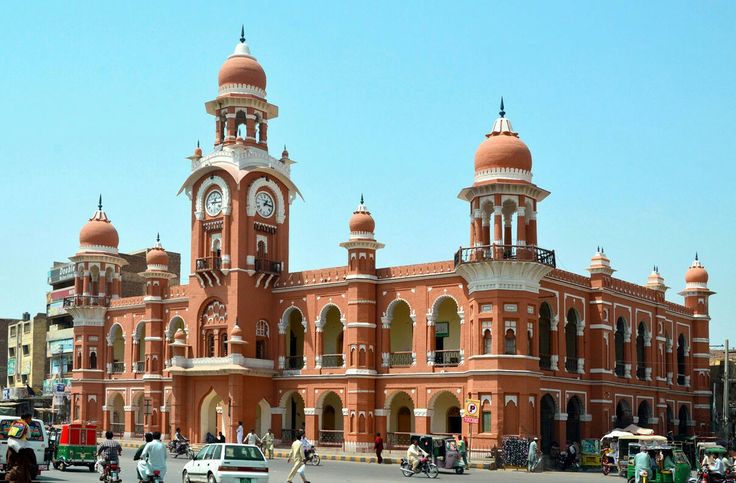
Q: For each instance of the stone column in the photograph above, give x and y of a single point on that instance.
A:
(226, 237)
(507, 230)
(555, 360)
(129, 422)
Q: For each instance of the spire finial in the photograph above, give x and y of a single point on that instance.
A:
(242, 34)
(696, 256)
(361, 198)
(99, 207)
(197, 142)
(158, 238)
(502, 113)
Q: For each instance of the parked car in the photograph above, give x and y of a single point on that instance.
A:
(227, 463)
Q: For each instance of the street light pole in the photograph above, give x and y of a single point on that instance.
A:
(726, 383)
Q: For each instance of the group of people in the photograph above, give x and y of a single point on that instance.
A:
(652, 461)
(415, 454)
(721, 465)
(151, 456)
(265, 442)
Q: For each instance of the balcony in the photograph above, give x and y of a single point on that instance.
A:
(332, 437)
(208, 264)
(447, 358)
(139, 366)
(293, 362)
(545, 362)
(401, 359)
(332, 360)
(87, 301)
(268, 266)
(523, 253)
(117, 367)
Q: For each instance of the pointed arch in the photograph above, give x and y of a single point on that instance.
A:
(176, 323)
(286, 317)
(391, 310)
(438, 302)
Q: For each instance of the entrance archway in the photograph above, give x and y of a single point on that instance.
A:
(445, 417)
(623, 414)
(644, 413)
(684, 416)
(263, 417)
(547, 418)
(331, 421)
(670, 420)
(117, 417)
(574, 411)
(210, 415)
(140, 414)
(293, 420)
(400, 422)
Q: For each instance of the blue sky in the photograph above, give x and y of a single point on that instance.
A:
(626, 106)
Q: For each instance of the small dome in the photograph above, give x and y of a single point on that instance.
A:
(696, 273)
(198, 151)
(503, 151)
(98, 232)
(180, 336)
(236, 332)
(362, 221)
(157, 255)
(242, 69)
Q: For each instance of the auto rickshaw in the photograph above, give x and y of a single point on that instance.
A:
(674, 466)
(707, 448)
(443, 451)
(624, 441)
(76, 445)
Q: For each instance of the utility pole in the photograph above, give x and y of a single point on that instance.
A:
(726, 402)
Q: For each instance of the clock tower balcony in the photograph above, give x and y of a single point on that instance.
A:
(504, 267)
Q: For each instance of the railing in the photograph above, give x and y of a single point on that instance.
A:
(447, 358)
(268, 266)
(620, 368)
(398, 440)
(332, 360)
(208, 263)
(401, 359)
(545, 362)
(118, 367)
(139, 366)
(571, 364)
(294, 362)
(118, 429)
(289, 435)
(87, 301)
(526, 253)
(331, 437)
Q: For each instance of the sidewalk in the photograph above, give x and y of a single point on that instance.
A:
(336, 454)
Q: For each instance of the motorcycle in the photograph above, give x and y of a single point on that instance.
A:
(155, 477)
(607, 464)
(177, 448)
(707, 476)
(564, 465)
(311, 457)
(425, 466)
(110, 472)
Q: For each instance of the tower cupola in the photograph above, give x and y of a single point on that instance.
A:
(655, 281)
(99, 234)
(157, 259)
(241, 73)
(600, 264)
(502, 155)
(362, 224)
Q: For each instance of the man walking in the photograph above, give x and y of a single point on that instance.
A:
(378, 446)
(252, 438)
(267, 441)
(296, 456)
(533, 456)
(240, 432)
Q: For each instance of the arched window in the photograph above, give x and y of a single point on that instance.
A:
(487, 342)
(641, 352)
(545, 328)
(223, 345)
(529, 346)
(241, 125)
(79, 358)
(210, 345)
(485, 417)
(681, 349)
(571, 341)
(619, 341)
(93, 360)
(262, 336)
(510, 342)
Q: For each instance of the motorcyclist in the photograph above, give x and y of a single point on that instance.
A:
(108, 453)
(155, 453)
(414, 454)
(142, 467)
(20, 458)
(179, 440)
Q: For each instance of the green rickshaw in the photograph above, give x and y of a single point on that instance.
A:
(708, 448)
(672, 464)
(76, 445)
(442, 451)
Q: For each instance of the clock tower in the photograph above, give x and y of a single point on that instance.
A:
(240, 197)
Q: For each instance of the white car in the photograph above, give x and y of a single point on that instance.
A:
(38, 440)
(227, 463)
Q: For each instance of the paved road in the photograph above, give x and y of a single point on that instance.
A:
(338, 472)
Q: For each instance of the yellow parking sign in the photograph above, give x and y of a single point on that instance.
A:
(472, 410)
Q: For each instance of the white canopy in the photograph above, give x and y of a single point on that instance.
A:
(634, 429)
(616, 433)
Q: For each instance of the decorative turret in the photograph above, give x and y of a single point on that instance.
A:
(696, 291)
(655, 281)
(362, 245)
(157, 273)
(600, 264)
(237, 344)
(98, 235)
(179, 346)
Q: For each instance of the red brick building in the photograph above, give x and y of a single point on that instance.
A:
(351, 350)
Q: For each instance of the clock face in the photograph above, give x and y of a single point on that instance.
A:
(264, 204)
(213, 205)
